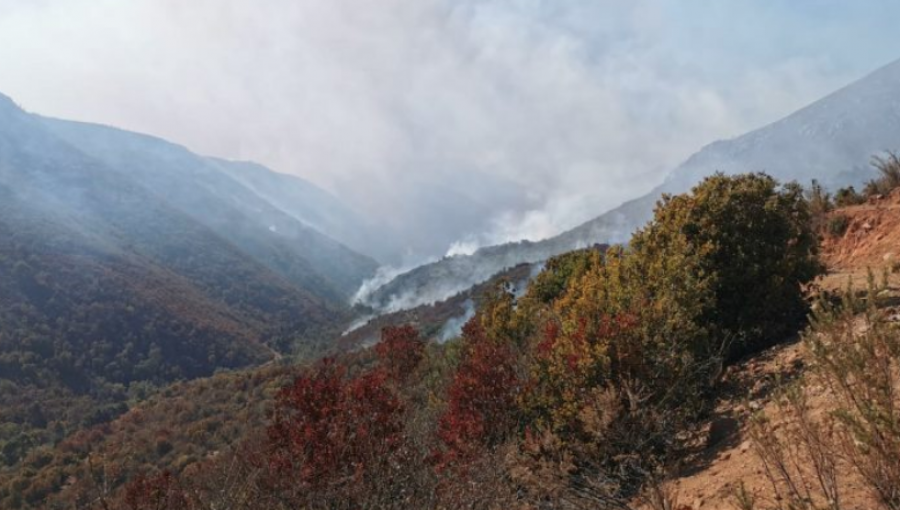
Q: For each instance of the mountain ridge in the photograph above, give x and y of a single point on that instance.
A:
(834, 149)
(196, 186)
(111, 283)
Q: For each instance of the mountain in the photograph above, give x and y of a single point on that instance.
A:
(315, 207)
(831, 140)
(207, 190)
(127, 262)
(441, 320)
(94, 217)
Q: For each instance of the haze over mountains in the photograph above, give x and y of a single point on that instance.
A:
(276, 260)
(125, 258)
(831, 140)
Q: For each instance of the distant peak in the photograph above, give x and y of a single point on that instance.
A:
(7, 103)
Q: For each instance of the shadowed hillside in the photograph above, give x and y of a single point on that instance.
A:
(112, 283)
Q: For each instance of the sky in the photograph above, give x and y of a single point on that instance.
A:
(456, 123)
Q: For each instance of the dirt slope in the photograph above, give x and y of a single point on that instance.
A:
(871, 238)
(725, 457)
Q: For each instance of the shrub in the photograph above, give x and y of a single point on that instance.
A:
(848, 196)
(559, 272)
(838, 224)
(820, 204)
(630, 344)
(857, 361)
(591, 341)
(873, 188)
(400, 351)
(332, 433)
(861, 367)
(733, 257)
(481, 401)
(799, 459)
(156, 492)
(888, 167)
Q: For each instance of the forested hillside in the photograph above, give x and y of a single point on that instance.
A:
(114, 281)
(579, 390)
(206, 191)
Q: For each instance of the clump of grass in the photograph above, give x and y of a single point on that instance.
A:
(856, 359)
(888, 167)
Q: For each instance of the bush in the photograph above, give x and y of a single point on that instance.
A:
(857, 361)
(888, 167)
(559, 272)
(837, 225)
(630, 345)
(331, 434)
(820, 204)
(732, 256)
(848, 196)
(400, 351)
(481, 400)
(156, 492)
(861, 367)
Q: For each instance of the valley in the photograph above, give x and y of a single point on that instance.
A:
(451, 256)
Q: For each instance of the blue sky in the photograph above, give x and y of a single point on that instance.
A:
(459, 122)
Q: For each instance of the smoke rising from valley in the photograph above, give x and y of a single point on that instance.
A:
(458, 124)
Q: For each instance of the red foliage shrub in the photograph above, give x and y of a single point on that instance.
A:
(481, 399)
(400, 351)
(159, 492)
(328, 428)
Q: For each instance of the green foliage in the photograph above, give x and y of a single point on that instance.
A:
(583, 388)
(558, 272)
(820, 204)
(848, 196)
(630, 341)
(837, 225)
(735, 254)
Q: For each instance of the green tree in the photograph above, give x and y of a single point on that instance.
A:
(734, 255)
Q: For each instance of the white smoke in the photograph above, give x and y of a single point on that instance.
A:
(443, 118)
(383, 275)
(453, 327)
(358, 323)
(463, 247)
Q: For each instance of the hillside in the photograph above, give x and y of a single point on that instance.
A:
(183, 424)
(449, 276)
(458, 400)
(316, 208)
(112, 283)
(870, 237)
(209, 192)
(729, 456)
(831, 140)
(439, 321)
(193, 428)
